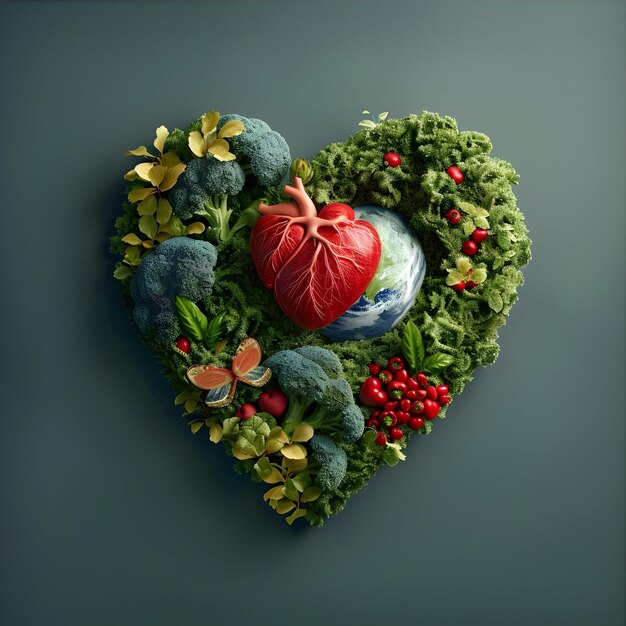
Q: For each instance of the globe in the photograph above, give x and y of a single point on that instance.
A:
(392, 291)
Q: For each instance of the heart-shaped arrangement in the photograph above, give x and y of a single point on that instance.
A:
(314, 328)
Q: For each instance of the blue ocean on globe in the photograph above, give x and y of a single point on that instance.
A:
(392, 291)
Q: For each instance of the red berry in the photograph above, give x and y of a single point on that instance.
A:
(442, 390)
(470, 248)
(480, 234)
(415, 423)
(417, 407)
(374, 369)
(431, 392)
(371, 393)
(182, 343)
(395, 363)
(381, 439)
(453, 216)
(396, 433)
(422, 379)
(372, 422)
(445, 399)
(470, 284)
(273, 402)
(459, 286)
(403, 417)
(392, 159)
(431, 408)
(411, 383)
(245, 411)
(405, 405)
(385, 376)
(402, 376)
(391, 405)
(455, 174)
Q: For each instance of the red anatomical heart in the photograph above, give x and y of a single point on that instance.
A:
(318, 264)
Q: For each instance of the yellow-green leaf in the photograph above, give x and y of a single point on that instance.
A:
(140, 151)
(131, 175)
(143, 170)
(195, 228)
(231, 129)
(196, 426)
(468, 228)
(219, 148)
(215, 433)
(122, 272)
(191, 405)
(311, 494)
(148, 225)
(454, 278)
(295, 515)
(241, 455)
(295, 465)
(463, 264)
(479, 275)
(147, 206)
(303, 433)
(156, 174)
(273, 477)
(169, 159)
(163, 236)
(284, 506)
(294, 451)
(188, 394)
(161, 135)
(171, 176)
(481, 222)
(196, 144)
(276, 493)
(132, 256)
(147, 244)
(209, 121)
(136, 195)
(163, 211)
(132, 239)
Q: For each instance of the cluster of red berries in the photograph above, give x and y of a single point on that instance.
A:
(399, 399)
(470, 247)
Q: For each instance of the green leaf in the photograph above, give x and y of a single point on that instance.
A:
(367, 124)
(413, 346)
(311, 494)
(494, 300)
(302, 481)
(231, 426)
(383, 116)
(290, 491)
(437, 362)
(243, 445)
(148, 226)
(390, 456)
(192, 319)
(213, 331)
(122, 272)
(295, 515)
(196, 426)
(247, 218)
(368, 436)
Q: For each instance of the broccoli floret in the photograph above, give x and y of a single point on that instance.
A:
(265, 150)
(316, 396)
(332, 461)
(179, 266)
(203, 178)
(326, 359)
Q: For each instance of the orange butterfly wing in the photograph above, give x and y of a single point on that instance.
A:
(246, 364)
(208, 377)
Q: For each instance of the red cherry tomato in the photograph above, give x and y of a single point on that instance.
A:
(374, 369)
(470, 248)
(445, 399)
(459, 286)
(453, 216)
(415, 423)
(403, 417)
(422, 379)
(385, 376)
(431, 392)
(381, 439)
(182, 343)
(402, 376)
(392, 159)
(396, 434)
(442, 390)
(480, 234)
(372, 393)
(431, 409)
(455, 174)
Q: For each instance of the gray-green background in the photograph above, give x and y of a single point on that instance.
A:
(112, 513)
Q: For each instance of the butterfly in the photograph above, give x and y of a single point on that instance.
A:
(220, 383)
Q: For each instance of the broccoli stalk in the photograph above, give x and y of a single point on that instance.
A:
(215, 210)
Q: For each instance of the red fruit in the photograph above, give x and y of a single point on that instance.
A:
(403, 417)
(411, 395)
(386, 376)
(442, 390)
(422, 379)
(431, 392)
(415, 423)
(372, 422)
(470, 284)
(470, 248)
(396, 433)
(431, 408)
(245, 411)
(371, 393)
(420, 394)
(405, 404)
(453, 216)
(417, 407)
(381, 439)
(445, 399)
(395, 364)
(388, 418)
(273, 402)
(401, 376)
(374, 369)
(392, 159)
(391, 405)
(375, 413)
(480, 234)
(396, 385)
(455, 174)
(182, 343)
(412, 383)
(459, 286)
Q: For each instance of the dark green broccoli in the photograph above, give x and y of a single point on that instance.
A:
(179, 266)
(332, 461)
(317, 395)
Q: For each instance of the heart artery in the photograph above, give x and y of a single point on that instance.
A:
(317, 264)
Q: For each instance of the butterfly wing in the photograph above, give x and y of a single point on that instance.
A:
(246, 364)
(219, 383)
(221, 396)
